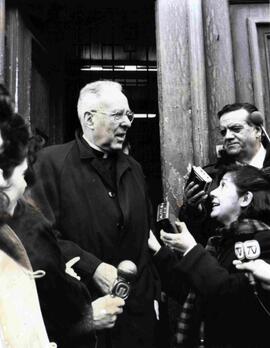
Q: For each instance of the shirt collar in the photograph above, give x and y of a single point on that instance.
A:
(85, 149)
(258, 159)
(87, 152)
(95, 147)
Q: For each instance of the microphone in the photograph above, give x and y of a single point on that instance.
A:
(166, 218)
(248, 250)
(126, 274)
(257, 119)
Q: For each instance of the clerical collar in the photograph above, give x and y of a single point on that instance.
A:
(96, 148)
(258, 159)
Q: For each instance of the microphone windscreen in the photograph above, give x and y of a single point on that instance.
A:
(127, 270)
(256, 118)
(239, 250)
(252, 249)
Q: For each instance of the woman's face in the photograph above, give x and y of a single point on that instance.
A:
(15, 185)
(226, 202)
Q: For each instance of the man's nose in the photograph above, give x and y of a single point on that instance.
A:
(125, 121)
(229, 134)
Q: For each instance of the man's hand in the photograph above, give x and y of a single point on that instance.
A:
(192, 197)
(104, 277)
(105, 310)
(182, 241)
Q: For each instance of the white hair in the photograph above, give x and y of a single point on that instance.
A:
(91, 92)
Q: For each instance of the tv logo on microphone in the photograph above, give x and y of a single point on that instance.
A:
(250, 250)
(126, 273)
(121, 289)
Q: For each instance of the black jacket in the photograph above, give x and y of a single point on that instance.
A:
(225, 300)
(65, 302)
(101, 221)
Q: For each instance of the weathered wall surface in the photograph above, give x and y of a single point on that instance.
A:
(205, 52)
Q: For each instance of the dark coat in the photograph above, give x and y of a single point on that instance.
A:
(65, 302)
(232, 314)
(200, 224)
(101, 222)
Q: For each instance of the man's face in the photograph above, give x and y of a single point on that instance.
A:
(110, 122)
(240, 139)
(226, 206)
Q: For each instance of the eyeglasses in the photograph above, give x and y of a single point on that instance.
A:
(117, 115)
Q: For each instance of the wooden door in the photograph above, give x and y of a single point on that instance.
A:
(250, 26)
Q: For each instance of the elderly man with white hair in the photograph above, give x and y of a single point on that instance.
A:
(96, 198)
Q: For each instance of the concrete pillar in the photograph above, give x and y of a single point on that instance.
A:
(174, 95)
(219, 64)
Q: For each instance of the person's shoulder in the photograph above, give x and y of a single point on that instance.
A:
(134, 164)
(30, 212)
(131, 160)
(211, 168)
(55, 155)
(263, 235)
(263, 238)
(266, 162)
(214, 167)
(57, 150)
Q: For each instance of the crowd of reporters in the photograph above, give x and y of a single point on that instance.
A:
(220, 306)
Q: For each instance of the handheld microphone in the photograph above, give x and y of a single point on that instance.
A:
(248, 250)
(126, 274)
(257, 118)
(166, 218)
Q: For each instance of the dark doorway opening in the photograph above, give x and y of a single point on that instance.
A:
(84, 41)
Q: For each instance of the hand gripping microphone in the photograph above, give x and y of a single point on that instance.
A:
(126, 274)
(248, 250)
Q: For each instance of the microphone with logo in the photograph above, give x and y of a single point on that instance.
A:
(247, 251)
(126, 274)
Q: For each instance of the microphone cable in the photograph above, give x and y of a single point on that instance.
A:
(262, 304)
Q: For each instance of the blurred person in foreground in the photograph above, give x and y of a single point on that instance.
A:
(26, 236)
(222, 309)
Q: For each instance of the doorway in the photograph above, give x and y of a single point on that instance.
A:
(77, 42)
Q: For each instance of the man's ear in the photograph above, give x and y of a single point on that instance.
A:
(246, 199)
(88, 119)
(258, 131)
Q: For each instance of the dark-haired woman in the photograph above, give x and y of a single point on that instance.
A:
(220, 296)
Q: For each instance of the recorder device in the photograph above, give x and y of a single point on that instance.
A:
(201, 178)
(166, 217)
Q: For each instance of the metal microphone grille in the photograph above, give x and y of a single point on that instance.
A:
(127, 270)
(256, 118)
